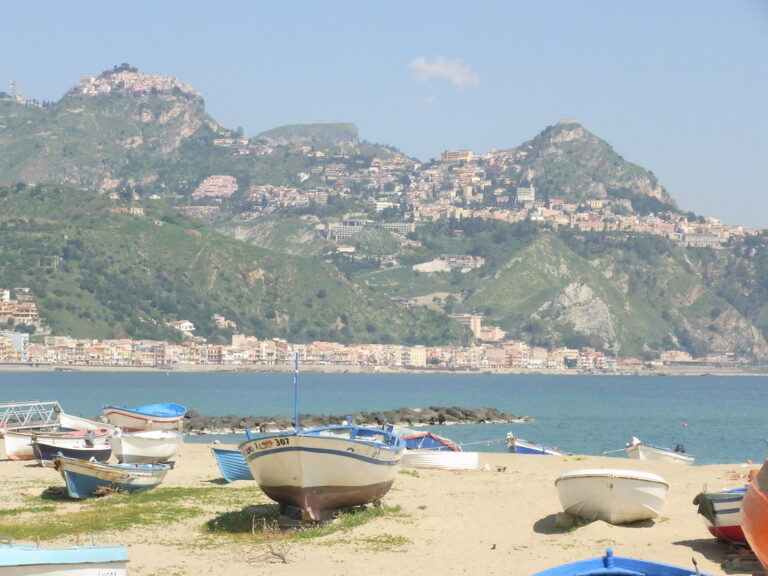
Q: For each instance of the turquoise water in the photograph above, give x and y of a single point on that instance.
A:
(717, 419)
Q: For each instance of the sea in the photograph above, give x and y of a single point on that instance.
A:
(718, 419)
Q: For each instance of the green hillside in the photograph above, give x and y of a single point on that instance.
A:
(99, 272)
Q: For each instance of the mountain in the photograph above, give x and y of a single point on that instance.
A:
(306, 232)
(568, 161)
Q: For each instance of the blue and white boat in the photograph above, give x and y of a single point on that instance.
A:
(324, 470)
(150, 417)
(77, 560)
(519, 446)
(86, 479)
(232, 464)
(610, 565)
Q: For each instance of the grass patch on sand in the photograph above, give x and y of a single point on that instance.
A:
(52, 515)
(259, 523)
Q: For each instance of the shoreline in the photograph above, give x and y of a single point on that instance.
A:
(356, 369)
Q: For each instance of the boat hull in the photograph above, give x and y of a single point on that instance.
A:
(648, 452)
(614, 496)
(45, 453)
(150, 417)
(147, 446)
(70, 422)
(518, 446)
(75, 561)
(87, 479)
(321, 472)
(231, 464)
(754, 515)
(18, 444)
(721, 512)
(442, 459)
(615, 565)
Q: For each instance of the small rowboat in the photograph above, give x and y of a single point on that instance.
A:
(147, 446)
(85, 450)
(640, 451)
(722, 513)
(231, 464)
(18, 444)
(149, 417)
(87, 479)
(614, 496)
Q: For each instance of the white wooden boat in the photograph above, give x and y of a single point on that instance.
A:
(145, 447)
(74, 561)
(18, 443)
(444, 459)
(636, 449)
(70, 422)
(326, 469)
(163, 416)
(614, 496)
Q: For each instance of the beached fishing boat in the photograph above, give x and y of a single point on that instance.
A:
(231, 463)
(146, 446)
(754, 515)
(520, 446)
(83, 450)
(18, 443)
(636, 449)
(422, 439)
(324, 470)
(75, 561)
(87, 479)
(614, 496)
(70, 422)
(722, 513)
(610, 565)
(149, 417)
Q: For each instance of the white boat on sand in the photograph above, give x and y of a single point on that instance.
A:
(614, 496)
(444, 459)
(636, 449)
(146, 447)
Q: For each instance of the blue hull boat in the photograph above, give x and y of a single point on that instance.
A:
(610, 565)
(520, 446)
(232, 464)
(86, 479)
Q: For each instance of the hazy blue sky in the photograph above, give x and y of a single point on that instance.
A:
(679, 87)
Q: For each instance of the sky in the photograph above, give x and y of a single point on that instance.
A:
(678, 87)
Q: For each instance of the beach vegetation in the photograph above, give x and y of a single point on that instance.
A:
(52, 515)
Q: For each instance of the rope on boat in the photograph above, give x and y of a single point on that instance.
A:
(483, 442)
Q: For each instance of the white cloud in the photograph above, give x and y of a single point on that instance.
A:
(455, 71)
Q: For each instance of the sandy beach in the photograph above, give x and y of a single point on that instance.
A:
(499, 519)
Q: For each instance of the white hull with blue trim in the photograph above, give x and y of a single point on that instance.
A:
(325, 469)
(75, 561)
